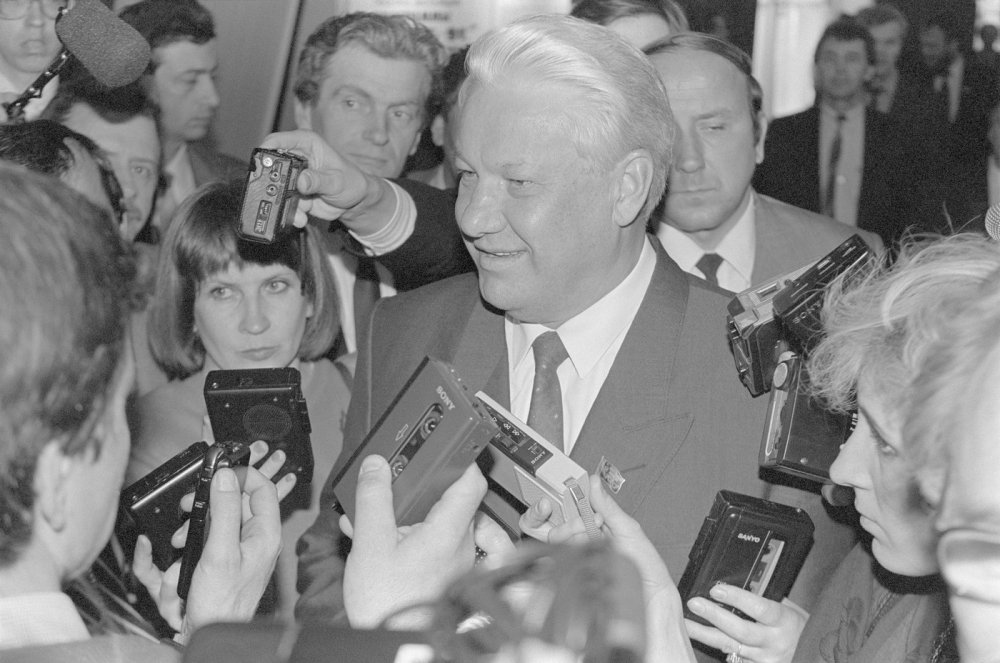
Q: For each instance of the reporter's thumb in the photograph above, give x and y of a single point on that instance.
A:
(307, 182)
(226, 505)
(374, 479)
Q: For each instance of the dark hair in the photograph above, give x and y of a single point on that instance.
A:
(392, 37)
(65, 280)
(699, 41)
(947, 23)
(200, 241)
(41, 146)
(847, 28)
(603, 12)
(452, 77)
(114, 105)
(164, 22)
(883, 14)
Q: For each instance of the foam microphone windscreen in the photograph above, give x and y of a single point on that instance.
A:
(109, 48)
(993, 221)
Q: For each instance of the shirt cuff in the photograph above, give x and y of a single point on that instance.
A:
(398, 229)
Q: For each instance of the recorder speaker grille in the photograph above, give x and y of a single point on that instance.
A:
(266, 422)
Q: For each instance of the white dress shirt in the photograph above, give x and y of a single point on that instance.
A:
(44, 618)
(738, 250)
(956, 72)
(592, 339)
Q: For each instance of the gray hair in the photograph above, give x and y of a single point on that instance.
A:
(882, 327)
(623, 104)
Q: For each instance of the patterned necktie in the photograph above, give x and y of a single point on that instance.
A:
(829, 195)
(708, 265)
(545, 413)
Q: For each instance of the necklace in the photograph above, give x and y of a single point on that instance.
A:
(884, 605)
(945, 648)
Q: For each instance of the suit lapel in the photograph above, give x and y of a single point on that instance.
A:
(812, 156)
(632, 423)
(768, 245)
(200, 167)
(481, 356)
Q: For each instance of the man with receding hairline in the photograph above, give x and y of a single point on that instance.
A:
(710, 207)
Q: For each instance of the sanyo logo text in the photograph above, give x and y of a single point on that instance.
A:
(748, 537)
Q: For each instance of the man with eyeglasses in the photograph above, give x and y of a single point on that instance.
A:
(28, 44)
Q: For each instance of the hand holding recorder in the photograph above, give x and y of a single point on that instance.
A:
(251, 545)
(769, 636)
(238, 557)
(391, 568)
(331, 187)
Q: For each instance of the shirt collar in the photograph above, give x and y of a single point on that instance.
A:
(589, 334)
(178, 161)
(42, 618)
(738, 247)
(851, 115)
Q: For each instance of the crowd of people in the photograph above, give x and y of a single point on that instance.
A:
(609, 182)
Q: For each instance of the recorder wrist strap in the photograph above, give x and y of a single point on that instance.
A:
(583, 506)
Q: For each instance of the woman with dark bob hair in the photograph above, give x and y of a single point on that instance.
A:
(224, 303)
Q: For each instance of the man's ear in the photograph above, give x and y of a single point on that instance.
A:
(51, 485)
(761, 136)
(303, 115)
(437, 130)
(635, 176)
(416, 143)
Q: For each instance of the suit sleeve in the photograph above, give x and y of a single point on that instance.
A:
(435, 250)
(322, 550)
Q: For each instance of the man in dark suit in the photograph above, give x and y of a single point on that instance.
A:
(839, 158)
(553, 201)
(181, 84)
(961, 93)
(369, 84)
(710, 208)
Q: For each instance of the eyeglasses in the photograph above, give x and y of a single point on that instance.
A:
(14, 9)
(970, 563)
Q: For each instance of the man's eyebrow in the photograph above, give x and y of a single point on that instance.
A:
(199, 70)
(348, 88)
(716, 113)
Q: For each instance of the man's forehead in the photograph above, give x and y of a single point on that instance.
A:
(693, 70)
(834, 45)
(185, 56)
(404, 79)
(137, 133)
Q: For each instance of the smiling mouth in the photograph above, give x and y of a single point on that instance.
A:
(487, 253)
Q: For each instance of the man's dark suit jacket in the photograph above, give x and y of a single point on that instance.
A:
(435, 250)
(959, 149)
(671, 415)
(209, 165)
(791, 170)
